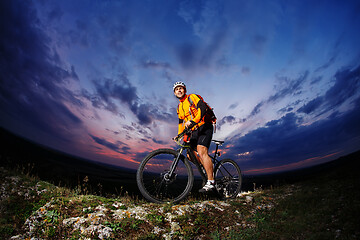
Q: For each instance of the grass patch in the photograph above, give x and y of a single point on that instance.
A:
(325, 207)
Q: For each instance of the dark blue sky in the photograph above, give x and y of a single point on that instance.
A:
(94, 78)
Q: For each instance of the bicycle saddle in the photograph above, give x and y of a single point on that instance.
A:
(218, 142)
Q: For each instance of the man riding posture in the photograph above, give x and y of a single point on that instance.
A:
(191, 112)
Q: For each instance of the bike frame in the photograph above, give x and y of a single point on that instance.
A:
(194, 159)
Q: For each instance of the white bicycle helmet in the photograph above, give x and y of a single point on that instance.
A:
(177, 84)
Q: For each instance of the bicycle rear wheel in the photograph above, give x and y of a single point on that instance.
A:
(155, 182)
(228, 178)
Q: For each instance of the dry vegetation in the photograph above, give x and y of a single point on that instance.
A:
(326, 207)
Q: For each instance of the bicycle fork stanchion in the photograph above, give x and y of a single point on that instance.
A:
(173, 166)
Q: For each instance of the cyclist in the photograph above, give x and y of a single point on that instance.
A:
(191, 111)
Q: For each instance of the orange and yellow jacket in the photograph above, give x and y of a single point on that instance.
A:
(191, 112)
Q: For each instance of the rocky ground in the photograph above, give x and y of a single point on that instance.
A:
(33, 209)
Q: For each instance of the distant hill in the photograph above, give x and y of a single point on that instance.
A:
(266, 180)
(64, 169)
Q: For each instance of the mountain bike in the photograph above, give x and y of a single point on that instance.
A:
(166, 175)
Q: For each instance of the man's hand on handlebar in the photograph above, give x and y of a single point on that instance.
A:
(185, 134)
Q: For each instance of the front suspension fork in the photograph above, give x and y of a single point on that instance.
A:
(175, 163)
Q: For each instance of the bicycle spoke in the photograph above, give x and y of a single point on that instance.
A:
(159, 188)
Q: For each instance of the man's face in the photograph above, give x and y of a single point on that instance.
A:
(179, 92)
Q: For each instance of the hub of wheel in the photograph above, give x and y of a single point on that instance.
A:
(168, 178)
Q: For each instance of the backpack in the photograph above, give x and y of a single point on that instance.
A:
(209, 115)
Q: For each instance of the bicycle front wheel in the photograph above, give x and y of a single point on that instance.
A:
(154, 180)
(228, 178)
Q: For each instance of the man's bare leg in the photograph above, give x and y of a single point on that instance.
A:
(206, 161)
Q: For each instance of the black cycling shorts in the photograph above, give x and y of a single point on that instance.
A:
(202, 136)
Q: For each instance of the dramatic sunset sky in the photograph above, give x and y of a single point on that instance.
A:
(94, 78)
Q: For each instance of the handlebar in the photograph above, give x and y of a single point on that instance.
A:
(186, 131)
(178, 138)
